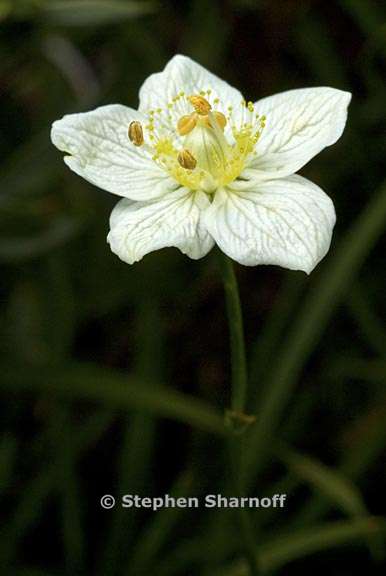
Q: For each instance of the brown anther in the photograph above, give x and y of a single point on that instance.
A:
(186, 124)
(186, 160)
(200, 104)
(135, 133)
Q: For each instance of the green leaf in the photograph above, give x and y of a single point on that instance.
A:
(114, 389)
(331, 483)
(318, 308)
(283, 549)
(357, 459)
(94, 12)
(288, 547)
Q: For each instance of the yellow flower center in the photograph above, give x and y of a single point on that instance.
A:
(196, 148)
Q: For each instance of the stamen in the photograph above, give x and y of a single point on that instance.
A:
(220, 120)
(207, 158)
(200, 104)
(186, 160)
(186, 124)
(135, 133)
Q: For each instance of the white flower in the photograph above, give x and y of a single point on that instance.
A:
(197, 165)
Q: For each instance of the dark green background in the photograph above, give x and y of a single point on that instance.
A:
(114, 379)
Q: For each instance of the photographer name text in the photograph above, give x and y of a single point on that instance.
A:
(208, 501)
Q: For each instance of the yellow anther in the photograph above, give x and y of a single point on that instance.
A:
(220, 119)
(200, 104)
(135, 133)
(186, 124)
(186, 160)
(206, 160)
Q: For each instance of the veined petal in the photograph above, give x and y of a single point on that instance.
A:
(137, 228)
(102, 153)
(183, 74)
(299, 124)
(287, 222)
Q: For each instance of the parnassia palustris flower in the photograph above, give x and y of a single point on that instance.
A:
(196, 165)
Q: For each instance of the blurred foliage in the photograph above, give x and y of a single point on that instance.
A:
(114, 379)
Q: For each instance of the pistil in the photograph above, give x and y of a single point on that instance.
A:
(199, 156)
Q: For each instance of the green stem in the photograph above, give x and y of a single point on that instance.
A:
(236, 333)
(238, 398)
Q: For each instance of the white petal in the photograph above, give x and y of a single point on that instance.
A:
(299, 124)
(183, 74)
(137, 228)
(287, 222)
(102, 153)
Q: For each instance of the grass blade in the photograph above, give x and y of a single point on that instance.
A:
(114, 389)
(312, 320)
(284, 549)
(323, 479)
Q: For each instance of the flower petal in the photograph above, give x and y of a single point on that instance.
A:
(102, 153)
(286, 222)
(137, 228)
(299, 124)
(183, 74)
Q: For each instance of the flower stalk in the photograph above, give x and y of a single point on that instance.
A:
(236, 333)
(236, 417)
